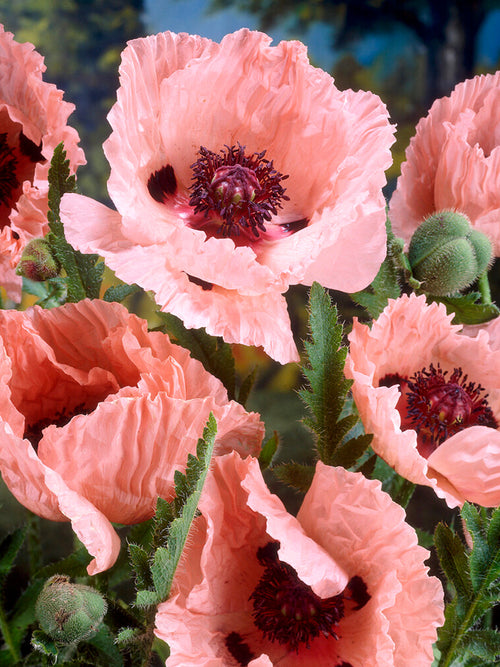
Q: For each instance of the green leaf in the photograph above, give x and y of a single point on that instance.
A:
(188, 490)
(453, 558)
(465, 309)
(268, 451)
(296, 475)
(484, 644)
(74, 565)
(9, 549)
(139, 560)
(348, 453)
(328, 388)
(120, 292)
(386, 285)
(83, 272)
(215, 355)
(43, 643)
(147, 598)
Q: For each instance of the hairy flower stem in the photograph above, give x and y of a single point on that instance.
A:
(484, 287)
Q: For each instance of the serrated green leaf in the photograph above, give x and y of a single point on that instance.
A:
(215, 355)
(268, 451)
(453, 558)
(467, 312)
(188, 490)
(23, 614)
(349, 452)
(326, 395)
(484, 644)
(120, 292)
(494, 530)
(160, 568)
(43, 643)
(296, 475)
(147, 598)
(126, 635)
(139, 559)
(399, 488)
(9, 548)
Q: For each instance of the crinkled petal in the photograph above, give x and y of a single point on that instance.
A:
(367, 532)
(470, 460)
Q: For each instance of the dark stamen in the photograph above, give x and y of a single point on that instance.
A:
(8, 164)
(30, 149)
(238, 649)
(34, 432)
(286, 609)
(358, 592)
(162, 184)
(238, 191)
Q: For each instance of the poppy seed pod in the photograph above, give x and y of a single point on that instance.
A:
(447, 255)
(37, 261)
(67, 612)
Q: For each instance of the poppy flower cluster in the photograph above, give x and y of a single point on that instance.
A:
(33, 121)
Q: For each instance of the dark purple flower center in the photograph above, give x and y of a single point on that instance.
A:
(288, 611)
(8, 178)
(437, 406)
(238, 193)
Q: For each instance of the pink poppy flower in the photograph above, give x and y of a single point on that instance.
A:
(431, 397)
(453, 161)
(96, 414)
(33, 121)
(341, 585)
(237, 170)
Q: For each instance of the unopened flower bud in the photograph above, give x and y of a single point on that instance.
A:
(69, 613)
(447, 255)
(37, 261)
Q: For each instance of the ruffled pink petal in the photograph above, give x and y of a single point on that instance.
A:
(453, 161)
(36, 108)
(367, 533)
(332, 145)
(345, 516)
(470, 460)
(260, 320)
(92, 528)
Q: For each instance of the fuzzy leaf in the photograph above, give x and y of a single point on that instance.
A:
(126, 635)
(147, 598)
(188, 490)
(399, 488)
(328, 388)
(139, 560)
(246, 387)
(215, 355)
(348, 453)
(453, 558)
(484, 644)
(119, 292)
(105, 643)
(466, 310)
(296, 475)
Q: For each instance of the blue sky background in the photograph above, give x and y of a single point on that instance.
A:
(193, 16)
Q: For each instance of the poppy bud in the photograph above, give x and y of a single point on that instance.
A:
(37, 261)
(447, 255)
(69, 613)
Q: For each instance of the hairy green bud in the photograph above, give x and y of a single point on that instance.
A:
(447, 255)
(69, 613)
(37, 261)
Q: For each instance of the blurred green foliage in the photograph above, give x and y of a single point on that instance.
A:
(81, 41)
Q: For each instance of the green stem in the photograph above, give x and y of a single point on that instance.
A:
(447, 658)
(4, 627)
(484, 287)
